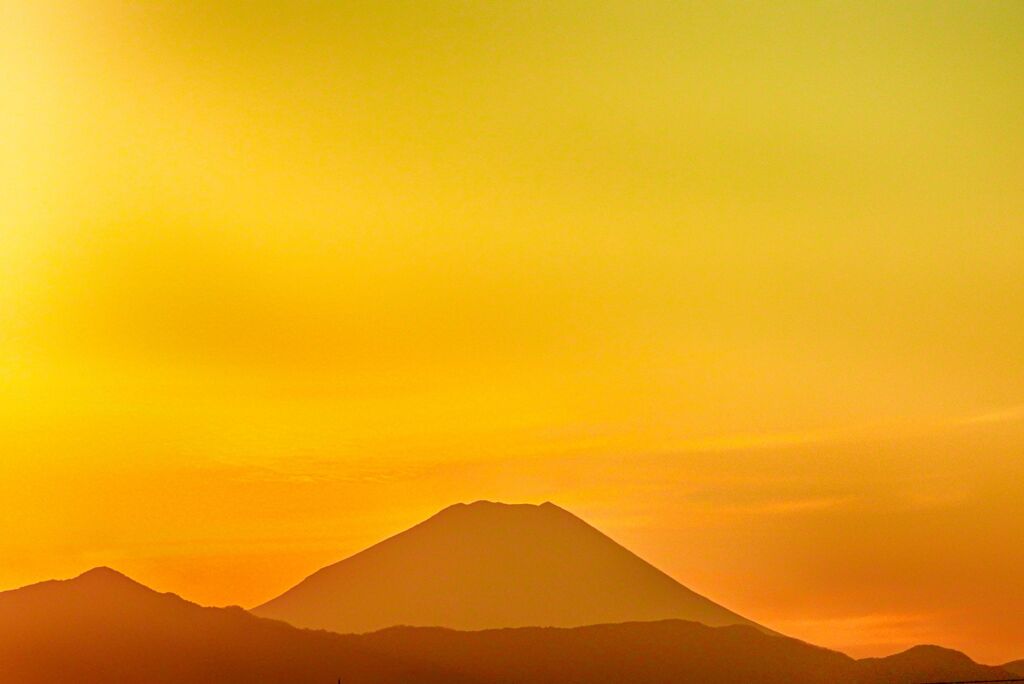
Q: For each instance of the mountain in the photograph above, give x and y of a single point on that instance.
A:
(663, 652)
(102, 627)
(1016, 667)
(929, 664)
(489, 565)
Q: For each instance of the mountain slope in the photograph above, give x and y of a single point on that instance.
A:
(663, 652)
(489, 565)
(1016, 667)
(929, 664)
(102, 627)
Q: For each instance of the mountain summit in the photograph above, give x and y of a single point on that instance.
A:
(490, 565)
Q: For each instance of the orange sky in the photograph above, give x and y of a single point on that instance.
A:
(741, 286)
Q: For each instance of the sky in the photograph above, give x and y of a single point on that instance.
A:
(738, 283)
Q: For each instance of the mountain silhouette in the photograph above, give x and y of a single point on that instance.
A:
(103, 627)
(490, 565)
(929, 664)
(664, 652)
(1016, 667)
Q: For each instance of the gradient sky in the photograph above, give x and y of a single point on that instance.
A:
(740, 284)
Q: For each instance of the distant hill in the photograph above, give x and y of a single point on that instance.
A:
(102, 628)
(929, 664)
(1016, 667)
(489, 565)
(664, 652)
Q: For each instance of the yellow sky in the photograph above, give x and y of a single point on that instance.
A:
(740, 284)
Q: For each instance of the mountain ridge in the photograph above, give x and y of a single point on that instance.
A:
(1014, 666)
(103, 626)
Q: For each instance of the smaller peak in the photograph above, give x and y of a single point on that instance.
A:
(105, 576)
(101, 572)
(487, 503)
(933, 651)
(931, 648)
(479, 506)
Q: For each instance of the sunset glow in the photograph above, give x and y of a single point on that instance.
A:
(741, 285)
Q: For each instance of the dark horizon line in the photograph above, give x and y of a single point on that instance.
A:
(976, 681)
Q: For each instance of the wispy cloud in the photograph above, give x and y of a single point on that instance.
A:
(794, 505)
(1004, 415)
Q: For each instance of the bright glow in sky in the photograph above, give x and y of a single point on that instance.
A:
(739, 284)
